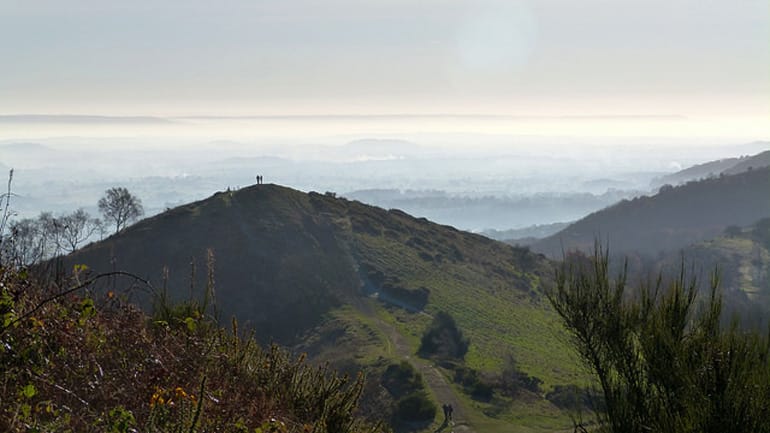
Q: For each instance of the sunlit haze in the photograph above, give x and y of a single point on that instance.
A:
(557, 67)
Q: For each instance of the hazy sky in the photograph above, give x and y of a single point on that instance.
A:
(705, 59)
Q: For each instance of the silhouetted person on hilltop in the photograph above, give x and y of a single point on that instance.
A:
(259, 180)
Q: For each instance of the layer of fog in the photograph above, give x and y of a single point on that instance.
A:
(471, 181)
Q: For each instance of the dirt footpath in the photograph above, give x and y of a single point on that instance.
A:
(433, 378)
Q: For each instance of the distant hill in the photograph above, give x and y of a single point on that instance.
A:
(715, 168)
(672, 219)
(303, 270)
(530, 234)
(479, 213)
(754, 162)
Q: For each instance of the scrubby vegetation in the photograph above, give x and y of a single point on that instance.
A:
(444, 342)
(742, 256)
(511, 382)
(478, 386)
(412, 404)
(574, 398)
(76, 361)
(660, 355)
(443, 339)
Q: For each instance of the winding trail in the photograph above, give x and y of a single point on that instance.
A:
(433, 378)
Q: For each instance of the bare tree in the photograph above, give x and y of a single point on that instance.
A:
(120, 206)
(5, 204)
(27, 243)
(76, 228)
(50, 231)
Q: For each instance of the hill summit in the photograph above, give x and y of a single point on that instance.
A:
(283, 259)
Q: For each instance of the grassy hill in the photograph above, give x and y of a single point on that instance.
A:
(356, 285)
(673, 218)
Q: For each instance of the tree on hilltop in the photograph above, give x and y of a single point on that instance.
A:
(120, 206)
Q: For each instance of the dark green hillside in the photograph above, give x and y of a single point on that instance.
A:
(278, 263)
(303, 269)
(673, 218)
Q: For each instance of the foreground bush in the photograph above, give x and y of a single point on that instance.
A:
(416, 407)
(661, 358)
(83, 363)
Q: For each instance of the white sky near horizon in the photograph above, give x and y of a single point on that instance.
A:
(704, 63)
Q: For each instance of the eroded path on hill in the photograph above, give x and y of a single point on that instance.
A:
(433, 378)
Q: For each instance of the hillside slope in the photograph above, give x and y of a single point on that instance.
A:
(751, 163)
(715, 168)
(301, 269)
(673, 218)
(742, 257)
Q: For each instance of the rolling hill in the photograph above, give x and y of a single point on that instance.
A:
(671, 219)
(715, 168)
(356, 285)
(759, 160)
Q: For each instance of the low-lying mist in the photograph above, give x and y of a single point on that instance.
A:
(468, 180)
